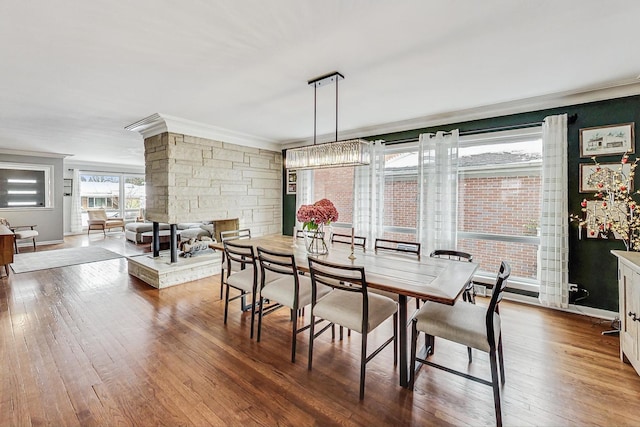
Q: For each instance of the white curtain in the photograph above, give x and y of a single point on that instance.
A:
(304, 190)
(438, 190)
(368, 195)
(75, 220)
(554, 225)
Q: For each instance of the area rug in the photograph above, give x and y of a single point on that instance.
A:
(33, 261)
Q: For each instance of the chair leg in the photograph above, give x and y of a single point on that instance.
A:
(260, 313)
(412, 360)
(253, 310)
(294, 333)
(34, 244)
(15, 243)
(311, 334)
(221, 282)
(469, 353)
(495, 386)
(363, 363)
(226, 303)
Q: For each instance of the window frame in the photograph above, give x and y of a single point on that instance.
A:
(46, 185)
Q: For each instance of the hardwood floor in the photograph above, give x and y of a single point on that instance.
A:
(90, 345)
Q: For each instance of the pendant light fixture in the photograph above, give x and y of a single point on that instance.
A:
(353, 152)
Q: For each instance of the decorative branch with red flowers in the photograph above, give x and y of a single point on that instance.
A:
(321, 212)
(614, 213)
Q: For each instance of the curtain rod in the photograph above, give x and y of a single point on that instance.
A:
(570, 120)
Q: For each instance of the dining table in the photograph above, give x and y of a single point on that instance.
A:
(408, 276)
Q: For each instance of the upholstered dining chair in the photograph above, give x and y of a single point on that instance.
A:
(243, 276)
(244, 233)
(349, 305)
(21, 232)
(468, 294)
(98, 220)
(290, 290)
(466, 324)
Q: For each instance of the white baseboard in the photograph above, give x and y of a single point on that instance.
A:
(573, 308)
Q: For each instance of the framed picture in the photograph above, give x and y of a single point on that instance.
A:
(292, 181)
(608, 170)
(605, 140)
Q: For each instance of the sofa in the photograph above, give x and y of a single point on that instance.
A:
(142, 232)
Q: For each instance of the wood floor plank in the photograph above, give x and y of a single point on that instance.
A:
(90, 345)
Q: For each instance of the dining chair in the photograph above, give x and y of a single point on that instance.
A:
(360, 241)
(468, 294)
(290, 289)
(244, 233)
(349, 305)
(243, 276)
(467, 324)
(412, 248)
(21, 232)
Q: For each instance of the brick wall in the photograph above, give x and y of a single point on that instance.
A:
(507, 205)
(191, 179)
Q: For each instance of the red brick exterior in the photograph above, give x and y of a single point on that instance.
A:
(508, 205)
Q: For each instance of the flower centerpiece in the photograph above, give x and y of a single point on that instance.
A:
(613, 213)
(313, 218)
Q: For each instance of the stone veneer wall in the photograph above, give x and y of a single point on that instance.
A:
(190, 179)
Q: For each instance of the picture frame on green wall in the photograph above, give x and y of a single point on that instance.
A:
(607, 140)
(616, 170)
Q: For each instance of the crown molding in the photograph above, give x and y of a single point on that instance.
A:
(9, 151)
(618, 89)
(158, 123)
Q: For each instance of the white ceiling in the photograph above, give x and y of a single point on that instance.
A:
(74, 73)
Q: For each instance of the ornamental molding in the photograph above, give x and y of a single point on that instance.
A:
(158, 123)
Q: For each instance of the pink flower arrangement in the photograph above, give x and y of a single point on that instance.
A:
(321, 212)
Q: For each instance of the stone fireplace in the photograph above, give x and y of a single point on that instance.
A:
(205, 178)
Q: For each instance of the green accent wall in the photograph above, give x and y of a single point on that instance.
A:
(288, 204)
(591, 264)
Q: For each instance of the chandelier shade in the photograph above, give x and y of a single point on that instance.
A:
(352, 152)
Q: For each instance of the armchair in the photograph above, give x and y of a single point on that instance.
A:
(98, 220)
(21, 232)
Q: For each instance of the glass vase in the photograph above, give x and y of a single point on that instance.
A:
(314, 241)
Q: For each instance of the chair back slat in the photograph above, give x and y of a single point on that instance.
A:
(450, 254)
(277, 262)
(346, 238)
(240, 254)
(397, 246)
(244, 233)
(345, 277)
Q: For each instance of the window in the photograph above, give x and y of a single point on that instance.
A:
(499, 197)
(121, 195)
(336, 184)
(25, 186)
(400, 192)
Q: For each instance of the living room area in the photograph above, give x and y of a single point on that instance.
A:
(134, 134)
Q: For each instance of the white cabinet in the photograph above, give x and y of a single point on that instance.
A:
(629, 294)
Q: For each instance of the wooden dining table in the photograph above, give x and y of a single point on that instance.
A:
(426, 278)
